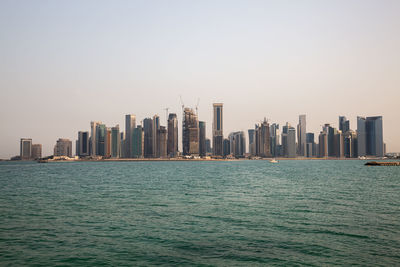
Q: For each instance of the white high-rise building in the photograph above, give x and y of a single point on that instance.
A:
(301, 136)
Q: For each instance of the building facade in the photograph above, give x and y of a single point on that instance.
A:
(190, 132)
(36, 151)
(93, 138)
(172, 143)
(301, 136)
(138, 142)
(130, 124)
(82, 146)
(202, 139)
(237, 142)
(162, 142)
(156, 141)
(217, 129)
(115, 142)
(374, 134)
(148, 137)
(25, 148)
(63, 147)
(262, 139)
(289, 141)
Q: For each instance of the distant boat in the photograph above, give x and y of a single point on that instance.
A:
(273, 161)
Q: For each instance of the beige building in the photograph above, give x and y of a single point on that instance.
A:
(63, 147)
(36, 151)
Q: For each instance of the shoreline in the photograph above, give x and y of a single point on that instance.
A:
(185, 160)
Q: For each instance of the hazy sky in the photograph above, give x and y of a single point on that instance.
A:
(65, 63)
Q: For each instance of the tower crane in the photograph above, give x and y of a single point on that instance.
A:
(197, 106)
(166, 115)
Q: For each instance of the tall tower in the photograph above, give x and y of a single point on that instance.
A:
(148, 137)
(25, 148)
(83, 144)
(217, 130)
(344, 124)
(301, 135)
(361, 137)
(374, 136)
(130, 124)
(156, 142)
(93, 137)
(115, 142)
(262, 139)
(190, 132)
(172, 143)
(202, 138)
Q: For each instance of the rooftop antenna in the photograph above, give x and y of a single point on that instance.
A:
(197, 106)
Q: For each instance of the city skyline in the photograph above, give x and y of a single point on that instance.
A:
(153, 140)
(261, 59)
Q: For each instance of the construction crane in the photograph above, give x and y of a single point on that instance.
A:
(166, 115)
(197, 106)
(182, 104)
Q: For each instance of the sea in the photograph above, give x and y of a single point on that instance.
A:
(199, 213)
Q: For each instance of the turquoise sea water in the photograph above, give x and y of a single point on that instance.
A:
(243, 213)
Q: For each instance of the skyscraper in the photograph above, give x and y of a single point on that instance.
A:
(172, 143)
(36, 151)
(162, 142)
(217, 129)
(344, 124)
(138, 142)
(115, 142)
(208, 146)
(301, 135)
(323, 144)
(93, 140)
(121, 148)
(63, 147)
(274, 139)
(227, 147)
(339, 145)
(156, 127)
(374, 140)
(25, 148)
(148, 137)
(252, 142)
(310, 145)
(237, 143)
(361, 137)
(202, 138)
(332, 144)
(101, 130)
(350, 144)
(262, 139)
(107, 143)
(289, 141)
(130, 124)
(190, 132)
(82, 144)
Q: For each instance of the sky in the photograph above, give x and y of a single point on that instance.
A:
(66, 63)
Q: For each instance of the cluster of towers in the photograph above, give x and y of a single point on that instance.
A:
(150, 139)
(267, 140)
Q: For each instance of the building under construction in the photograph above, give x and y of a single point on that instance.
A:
(190, 132)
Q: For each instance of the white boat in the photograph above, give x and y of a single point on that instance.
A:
(273, 161)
